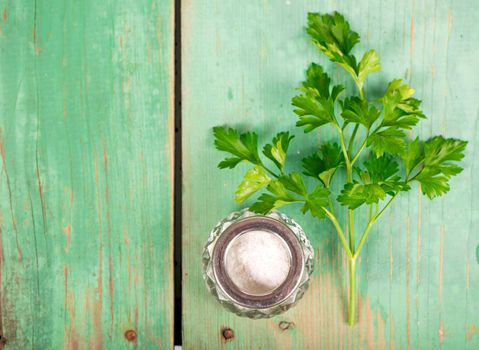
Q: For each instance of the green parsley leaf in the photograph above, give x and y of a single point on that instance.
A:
(276, 151)
(390, 140)
(243, 146)
(316, 201)
(355, 194)
(433, 183)
(294, 183)
(316, 79)
(317, 83)
(332, 30)
(264, 205)
(358, 111)
(368, 64)
(382, 168)
(255, 179)
(383, 171)
(229, 162)
(323, 164)
(315, 106)
(440, 156)
(441, 152)
(400, 109)
(333, 36)
(412, 156)
(379, 178)
(279, 196)
(313, 112)
(277, 188)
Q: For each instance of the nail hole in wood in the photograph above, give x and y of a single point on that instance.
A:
(130, 335)
(227, 333)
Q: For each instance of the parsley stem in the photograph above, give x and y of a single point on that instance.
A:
(364, 236)
(352, 291)
(352, 242)
(351, 140)
(340, 232)
(361, 92)
(372, 220)
(343, 147)
(270, 171)
(331, 207)
(349, 173)
(387, 205)
(361, 148)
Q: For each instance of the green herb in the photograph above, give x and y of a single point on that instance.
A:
(378, 159)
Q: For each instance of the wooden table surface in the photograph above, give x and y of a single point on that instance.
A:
(86, 173)
(86, 144)
(419, 275)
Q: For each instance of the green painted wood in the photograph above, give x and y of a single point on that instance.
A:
(419, 277)
(86, 118)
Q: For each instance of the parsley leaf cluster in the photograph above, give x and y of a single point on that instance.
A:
(373, 150)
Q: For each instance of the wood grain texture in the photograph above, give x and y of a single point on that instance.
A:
(419, 277)
(86, 117)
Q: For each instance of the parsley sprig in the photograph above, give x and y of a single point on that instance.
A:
(378, 166)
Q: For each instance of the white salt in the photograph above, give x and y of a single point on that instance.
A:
(258, 262)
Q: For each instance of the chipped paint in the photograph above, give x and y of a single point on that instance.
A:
(471, 331)
(441, 332)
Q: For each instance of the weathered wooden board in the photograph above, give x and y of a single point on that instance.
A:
(86, 118)
(419, 276)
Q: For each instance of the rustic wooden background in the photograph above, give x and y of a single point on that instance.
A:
(86, 144)
(86, 173)
(419, 274)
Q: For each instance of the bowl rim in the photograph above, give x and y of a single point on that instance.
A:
(280, 293)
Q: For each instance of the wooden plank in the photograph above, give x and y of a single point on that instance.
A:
(86, 118)
(419, 279)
